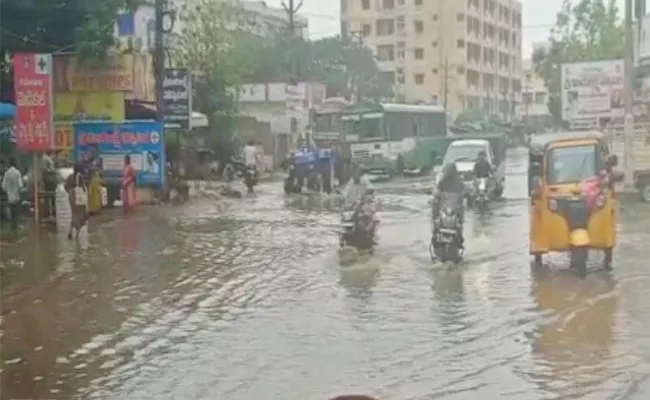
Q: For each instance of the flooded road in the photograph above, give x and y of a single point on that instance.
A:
(246, 300)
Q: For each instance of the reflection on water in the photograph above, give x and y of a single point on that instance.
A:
(573, 346)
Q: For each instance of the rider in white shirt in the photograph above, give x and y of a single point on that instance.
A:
(358, 186)
(251, 155)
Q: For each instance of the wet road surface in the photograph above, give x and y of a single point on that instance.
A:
(246, 300)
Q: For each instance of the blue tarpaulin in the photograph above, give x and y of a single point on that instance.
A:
(7, 110)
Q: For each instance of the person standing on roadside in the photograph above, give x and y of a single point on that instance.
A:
(128, 186)
(78, 196)
(12, 184)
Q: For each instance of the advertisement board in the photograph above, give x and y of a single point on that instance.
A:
(115, 74)
(177, 98)
(142, 141)
(33, 88)
(592, 90)
(83, 106)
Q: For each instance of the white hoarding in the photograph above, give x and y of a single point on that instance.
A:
(592, 90)
(296, 95)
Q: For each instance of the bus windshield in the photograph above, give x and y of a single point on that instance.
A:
(366, 128)
(467, 152)
(572, 164)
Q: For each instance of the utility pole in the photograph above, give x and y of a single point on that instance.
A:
(159, 58)
(628, 127)
(291, 10)
(356, 77)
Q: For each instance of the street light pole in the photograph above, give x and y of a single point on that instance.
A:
(291, 10)
(159, 58)
(628, 127)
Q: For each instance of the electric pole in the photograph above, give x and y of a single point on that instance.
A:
(628, 127)
(356, 75)
(291, 10)
(159, 58)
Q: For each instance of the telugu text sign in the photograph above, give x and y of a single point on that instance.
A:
(33, 88)
(593, 90)
(177, 98)
(142, 141)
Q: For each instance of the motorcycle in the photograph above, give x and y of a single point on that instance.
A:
(357, 227)
(250, 177)
(481, 197)
(447, 241)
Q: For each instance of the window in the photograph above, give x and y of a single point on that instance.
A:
(435, 17)
(401, 50)
(385, 27)
(461, 17)
(400, 76)
(434, 44)
(573, 164)
(386, 53)
(365, 4)
(540, 98)
(400, 2)
(401, 24)
(460, 43)
(461, 71)
(388, 4)
(419, 79)
(366, 29)
(418, 3)
(419, 53)
(435, 71)
(419, 27)
(527, 97)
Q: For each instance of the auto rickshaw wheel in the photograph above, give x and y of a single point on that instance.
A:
(578, 259)
(645, 192)
(609, 253)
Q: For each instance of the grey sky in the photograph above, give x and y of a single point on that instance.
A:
(539, 16)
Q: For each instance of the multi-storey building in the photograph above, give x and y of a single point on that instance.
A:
(533, 109)
(460, 53)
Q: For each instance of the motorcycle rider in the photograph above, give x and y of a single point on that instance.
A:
(358, 195)
(450, 184)
(482, 167)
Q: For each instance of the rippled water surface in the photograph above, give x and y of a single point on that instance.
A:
(246, 300)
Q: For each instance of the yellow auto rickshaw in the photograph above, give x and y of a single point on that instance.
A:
(563, 216)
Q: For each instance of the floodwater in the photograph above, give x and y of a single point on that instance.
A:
(246, 300)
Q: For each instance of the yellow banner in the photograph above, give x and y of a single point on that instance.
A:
(115, 74)
(70, 107)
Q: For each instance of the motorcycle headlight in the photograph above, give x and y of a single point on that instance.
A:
(601, 201)
(552, 205)
(481, 185)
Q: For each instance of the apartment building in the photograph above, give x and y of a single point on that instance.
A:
(459, 53)
(533, 108)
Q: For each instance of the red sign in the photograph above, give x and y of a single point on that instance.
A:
(33, 88)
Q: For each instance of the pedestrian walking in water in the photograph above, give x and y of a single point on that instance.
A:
(78, 195)
(12, 184)
(128, 186)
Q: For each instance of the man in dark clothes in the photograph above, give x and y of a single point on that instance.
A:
(482, 167)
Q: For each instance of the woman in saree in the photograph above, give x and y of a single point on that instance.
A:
(95, 184)
(76, 187)
(128, 186)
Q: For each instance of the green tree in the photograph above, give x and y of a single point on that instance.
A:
(215, 44)
(586, 30)
(338, 62)
(84, 26)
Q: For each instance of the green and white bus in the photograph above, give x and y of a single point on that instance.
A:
(395, 138)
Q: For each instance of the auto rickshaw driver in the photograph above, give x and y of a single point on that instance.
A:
(573, 207)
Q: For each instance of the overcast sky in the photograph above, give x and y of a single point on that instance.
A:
(539, 16)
